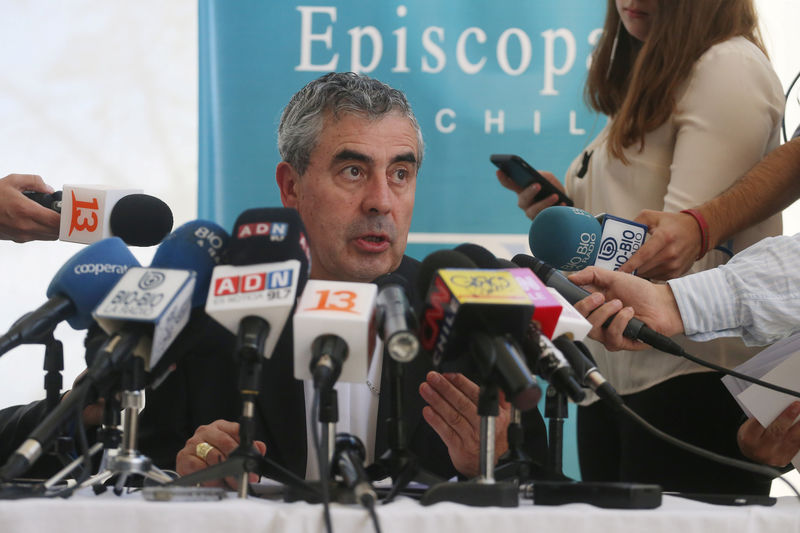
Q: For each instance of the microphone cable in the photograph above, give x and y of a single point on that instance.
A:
(702, 452)
(739, 375)
(322, 461)
(617, 403)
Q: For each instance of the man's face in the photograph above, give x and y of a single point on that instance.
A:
(357, 196)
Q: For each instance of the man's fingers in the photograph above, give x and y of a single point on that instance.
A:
(465, 386)
(449, 403)
(451, 438)
(643, 255)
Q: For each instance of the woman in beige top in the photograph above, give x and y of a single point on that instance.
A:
(693, 104)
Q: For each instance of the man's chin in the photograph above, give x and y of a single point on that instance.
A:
(365, 270)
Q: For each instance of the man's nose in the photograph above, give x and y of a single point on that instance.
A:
(377, 196)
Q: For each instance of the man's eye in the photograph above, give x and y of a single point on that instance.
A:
(352, 172)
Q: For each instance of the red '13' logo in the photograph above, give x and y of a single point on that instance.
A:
(83, 223)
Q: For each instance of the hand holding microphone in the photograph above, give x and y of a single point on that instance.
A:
(623, 294)
(22, 220)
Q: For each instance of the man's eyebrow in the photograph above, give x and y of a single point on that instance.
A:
(352, 155)
(408, 157)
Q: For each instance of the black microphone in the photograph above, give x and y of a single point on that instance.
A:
(636, 329)
(549, 363)
(140, 220)
(328, 354)
(396, 319)
(45, 199)
(479, 255)
(468, 318)
(578, 356)
(348, 462)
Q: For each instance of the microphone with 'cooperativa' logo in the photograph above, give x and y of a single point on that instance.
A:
(149, 307)
(90, 213)
(75, 290)
(571, 239)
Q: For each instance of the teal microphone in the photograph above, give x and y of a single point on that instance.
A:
(567, 238)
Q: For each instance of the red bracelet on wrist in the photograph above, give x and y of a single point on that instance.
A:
(701, 221)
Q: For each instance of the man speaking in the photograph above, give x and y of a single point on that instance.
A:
(351, 149)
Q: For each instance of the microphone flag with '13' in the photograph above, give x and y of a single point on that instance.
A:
(572, 239)
(90, 213)
(480, 312)
(254, 295)
(335, 315)
(74, 292)
(150, 306)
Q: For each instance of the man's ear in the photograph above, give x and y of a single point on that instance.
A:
(287, 178)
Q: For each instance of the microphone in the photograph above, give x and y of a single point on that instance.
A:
(140, 220)
(90, 213)
(479, 312)
(579, 358)
(635, 329)
(74, 291)
(334, 333)
(45, 199)
(254, 296)
(570, 323)
(573, 239)
(396, 319)
(348, 462)
(149, 307)
(546, 308)
(551, 364)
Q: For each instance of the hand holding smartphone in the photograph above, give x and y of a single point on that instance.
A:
(523, 175)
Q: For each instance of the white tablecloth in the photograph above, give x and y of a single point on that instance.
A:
(87, 513)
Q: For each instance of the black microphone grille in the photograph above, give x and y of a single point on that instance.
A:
(482, 257)
(140, 220)
(438, 260)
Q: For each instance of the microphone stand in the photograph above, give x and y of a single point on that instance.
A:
(556, 411)
(516, 463)
(128, 461)
(245, 459)
(400, 462)
(482, 491)
(53, 382)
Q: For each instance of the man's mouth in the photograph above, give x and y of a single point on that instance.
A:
(373, 242)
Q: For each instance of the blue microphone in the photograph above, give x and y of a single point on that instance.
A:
(74, 292)
(571, 239)
(149, 307)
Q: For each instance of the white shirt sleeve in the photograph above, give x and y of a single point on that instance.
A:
(756, 295)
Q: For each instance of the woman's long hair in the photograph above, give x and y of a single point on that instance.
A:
(636, 83)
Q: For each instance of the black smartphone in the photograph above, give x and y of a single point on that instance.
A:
(523, 175)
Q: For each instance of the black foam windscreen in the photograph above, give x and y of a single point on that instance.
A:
(438, 260)
(270, 235)
(140, 220)
(479, 255)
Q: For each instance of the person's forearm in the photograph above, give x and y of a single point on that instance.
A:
(769, 187)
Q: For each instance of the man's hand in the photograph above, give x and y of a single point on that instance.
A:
(452, 412)
(224, 437)
(670, 249)
(22, 219)
(777, 444)
(616, 292)
(526, 195)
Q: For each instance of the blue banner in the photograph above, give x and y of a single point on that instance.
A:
(483, 77)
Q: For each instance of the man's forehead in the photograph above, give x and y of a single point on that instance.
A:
(332, 125)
